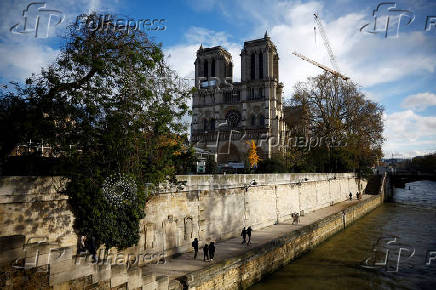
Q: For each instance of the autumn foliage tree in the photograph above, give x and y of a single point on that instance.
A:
(253, 157)
(346, 127)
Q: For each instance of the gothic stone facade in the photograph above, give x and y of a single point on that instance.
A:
(227, 114)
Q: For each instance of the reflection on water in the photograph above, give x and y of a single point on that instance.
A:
(365, 255)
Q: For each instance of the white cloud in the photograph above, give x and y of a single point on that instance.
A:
(197, 34)
(181, 58)
(372, 96)
(94, 5)
(409, 126)
(20, 61)
(419, 102)
(407, 131)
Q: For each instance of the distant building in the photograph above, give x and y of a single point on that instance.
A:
(226, 114)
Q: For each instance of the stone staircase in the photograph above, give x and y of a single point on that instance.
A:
(373, 186)
(43, 262)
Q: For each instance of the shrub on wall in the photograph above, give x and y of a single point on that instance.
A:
(103, 219)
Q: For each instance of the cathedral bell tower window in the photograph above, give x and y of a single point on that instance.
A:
(261, 121)
(206, 69)
(261, 66)
(212, 69)
(253, 66)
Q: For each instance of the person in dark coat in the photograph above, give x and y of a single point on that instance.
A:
(206, 252)
(243, 235)
(92, 248)
(81, 245)
(249, 235)
(295, 218)
(211, 250)
(195, 246)
(351, 196)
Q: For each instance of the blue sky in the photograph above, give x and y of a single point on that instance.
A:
(397, 71)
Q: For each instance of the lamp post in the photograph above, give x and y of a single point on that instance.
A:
(299, 194)
(330, 193)
(246, 187)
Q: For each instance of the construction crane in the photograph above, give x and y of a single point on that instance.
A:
(333, 72)
(326, 42)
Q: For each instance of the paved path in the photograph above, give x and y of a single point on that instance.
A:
(185, 263)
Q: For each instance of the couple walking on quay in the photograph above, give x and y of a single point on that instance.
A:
(208, 250)
(244, 234)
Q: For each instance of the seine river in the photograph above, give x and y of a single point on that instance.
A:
(366, 255)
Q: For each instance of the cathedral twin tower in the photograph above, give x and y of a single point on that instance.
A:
(227, 114)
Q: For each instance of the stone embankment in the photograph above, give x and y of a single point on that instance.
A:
(36, 222)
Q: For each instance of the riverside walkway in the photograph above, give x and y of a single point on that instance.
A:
(230, 248)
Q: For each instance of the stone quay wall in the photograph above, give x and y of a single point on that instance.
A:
(243, 271)
(216, 207)
(36, 219)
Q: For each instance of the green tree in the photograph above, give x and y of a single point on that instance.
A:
(111, 107)
(346, 127)
(426, 164)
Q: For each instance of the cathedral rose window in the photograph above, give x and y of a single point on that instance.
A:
(233, 118)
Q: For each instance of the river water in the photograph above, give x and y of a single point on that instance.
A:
(389, 248)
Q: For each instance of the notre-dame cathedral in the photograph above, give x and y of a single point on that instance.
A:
(226, 114)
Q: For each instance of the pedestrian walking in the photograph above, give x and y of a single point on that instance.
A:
(81, 247)
(92, 248)
(249, 235)
(206, 252)
(195, 246)
(244, 235)
(351, 196)
(295, 218)
(211, 250)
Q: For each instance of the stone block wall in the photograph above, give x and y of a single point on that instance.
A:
(35, 217)
(214, 207)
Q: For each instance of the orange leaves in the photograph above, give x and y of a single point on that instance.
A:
(253, 158)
